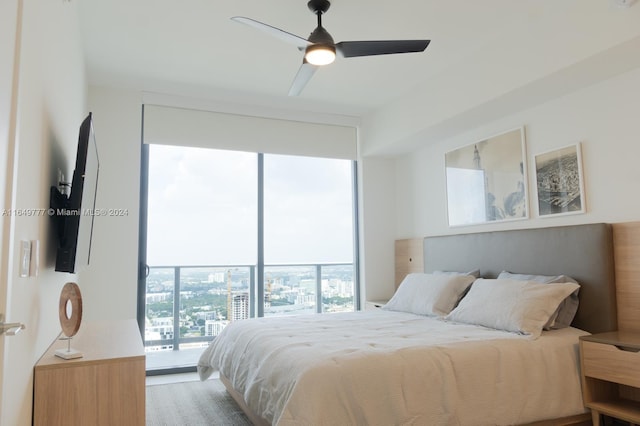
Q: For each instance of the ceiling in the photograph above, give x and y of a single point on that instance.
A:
(192, 48)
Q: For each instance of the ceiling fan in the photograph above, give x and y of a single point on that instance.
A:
(320, 49)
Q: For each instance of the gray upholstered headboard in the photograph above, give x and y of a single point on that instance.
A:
(584, 252)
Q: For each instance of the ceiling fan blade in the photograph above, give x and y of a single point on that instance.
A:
(350, 49)
(305, 72)
(300, 42)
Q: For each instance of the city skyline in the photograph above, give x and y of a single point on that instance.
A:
(206, 294)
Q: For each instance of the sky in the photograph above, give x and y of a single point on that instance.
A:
(203, 208)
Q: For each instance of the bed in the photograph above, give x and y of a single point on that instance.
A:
(401, 366)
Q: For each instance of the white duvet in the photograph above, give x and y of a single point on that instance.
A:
(390, 368)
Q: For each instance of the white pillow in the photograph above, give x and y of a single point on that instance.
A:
(563, 317)
(428, 294)
(511, 305)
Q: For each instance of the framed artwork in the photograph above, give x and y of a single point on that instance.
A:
(486, 181)
(559, 183)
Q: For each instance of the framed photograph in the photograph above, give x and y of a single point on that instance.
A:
(559, 182)
(486, 181)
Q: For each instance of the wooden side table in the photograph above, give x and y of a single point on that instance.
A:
(610, 364)
(104, 387)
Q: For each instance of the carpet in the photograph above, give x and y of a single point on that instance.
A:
(193, 404)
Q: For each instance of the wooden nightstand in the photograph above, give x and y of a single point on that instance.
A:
(610, 364)
(105, 387)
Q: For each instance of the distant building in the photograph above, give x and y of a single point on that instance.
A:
(214, 327)
(217, 277)
(158, 297)
(159, 329)
(206, 315)
(239, 306)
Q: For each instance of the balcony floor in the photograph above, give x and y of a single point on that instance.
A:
(159, 360)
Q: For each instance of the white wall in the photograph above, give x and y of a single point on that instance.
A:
(377, 213)
(8, 24)
(603, 117)
(50, 106)
(520, 71)
(110, 281)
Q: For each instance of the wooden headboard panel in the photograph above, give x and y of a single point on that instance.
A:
(409, 258)
(584, 252)
(626, 244)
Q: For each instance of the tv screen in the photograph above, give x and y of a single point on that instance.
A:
(74, 213)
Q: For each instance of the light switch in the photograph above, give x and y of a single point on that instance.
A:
(25, 258)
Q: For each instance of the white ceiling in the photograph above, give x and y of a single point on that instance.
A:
(191, 47)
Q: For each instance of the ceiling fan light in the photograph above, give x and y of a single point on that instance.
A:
(318, 54)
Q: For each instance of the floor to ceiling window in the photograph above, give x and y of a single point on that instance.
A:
(230, 235)
(308, 225)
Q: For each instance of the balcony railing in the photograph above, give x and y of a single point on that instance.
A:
(201, 300)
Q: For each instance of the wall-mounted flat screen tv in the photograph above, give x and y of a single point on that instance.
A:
(74, 213)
